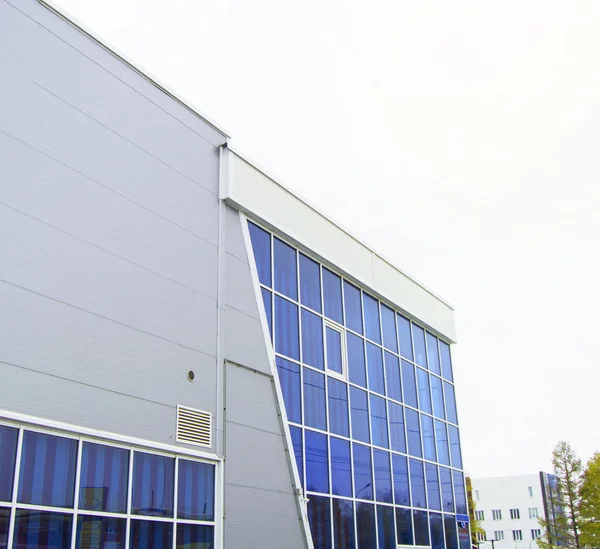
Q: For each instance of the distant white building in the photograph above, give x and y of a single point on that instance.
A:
(508, 509)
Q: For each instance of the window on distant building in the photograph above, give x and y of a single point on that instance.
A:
(479, 515)
(536, 533)
(497, 514)
(515, 514)
(530, 491)
(481, 536)
(517, 535)
(499, 535)
(476, 495)
(533, 512)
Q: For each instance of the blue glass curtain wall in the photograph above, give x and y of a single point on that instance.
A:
(369, 396)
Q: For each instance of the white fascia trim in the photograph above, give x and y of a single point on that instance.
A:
(106, 436)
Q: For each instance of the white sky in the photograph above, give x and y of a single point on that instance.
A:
(460, 139)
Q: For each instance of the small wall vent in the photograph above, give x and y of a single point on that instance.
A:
(194, 426)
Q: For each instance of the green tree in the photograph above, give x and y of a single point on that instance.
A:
(562, 526)
(474, 523)
(590, 503)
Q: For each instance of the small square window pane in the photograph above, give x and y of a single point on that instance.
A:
(385, 527)
(41, 530)
(287, 340)
(319, 518)
(401, 489)
(383, 476)
(409, 384)
(379, 424)
(404, 337)
(101, 532)
(363, 479)
(153, 482)
(397, 436)
(289, 381)
(352, 304)
(356, 359)
(417, 483)
(317, 460)
(446, 361)
(360, 414)
(404, 527)
(388, 323)
(332, 296)
(372, 328)
(375, 365)
(338, 407)
(8, 452)
(296, 436)
(261, 245)
(365, 526)
(334, 350)
(419, 344)
(310, 283)
(432, 354)
(392, 376)
(343, 524)
(195, 536)
(341, 474)
(196, 490)
(148, 534)
(312, 339)
(314, 399)
(413, 433)
(285, 269)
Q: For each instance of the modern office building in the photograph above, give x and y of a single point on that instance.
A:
(509, 508)
(190, 355)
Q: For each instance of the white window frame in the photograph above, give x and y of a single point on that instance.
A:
(515, 514)
(497, 514)
(517, 535)
(479, 515)
(533, 513)
(531, 491)
(498, 535)
(536, 533)
(481, 536)
(327, 323)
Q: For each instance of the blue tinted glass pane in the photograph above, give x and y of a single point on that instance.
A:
(437, 531)
(343, 524)
(459, 493)
(438, 398)
(379, 424)
(319, 518)
(404, 529)
(360, 414)
(442, 442)
(353, 308)
(388, 323)
(196, 490)
(356, 359)
(285, 269)
(341, 475)
(310, 283)
(8, 451)
(392, 376)
(450, 529)
(446, 361)
(332, 296)
(372, 328)
(334, 350)
(100, 532)
(365, 526)
(417, 483)
(104, 475)
(446, 486)
(289, 380)
(267, 296)
(419, 344)
(338, 407)
(193, 536)
(287, 340)
(314, 399)
(296, 435)
(424, 394)
(317, 470)
(312, 339)
(404, 337)
(375, 365)
(383, 476)
(35, 530)
(363, 481)
(153, 478)
(413, 433)
(421, 523)
(397, 437)
(455, 447)
(261, 245)
(428, 437)
(4, 525)
(385, 527)
(146, 534)
(409, 384)
(450, 402)
(433, 357)
(433, 487)
(401, 490)
(47, 474)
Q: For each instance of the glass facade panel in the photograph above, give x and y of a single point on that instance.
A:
(438, 398)
(8, 452)
(392, 376)
(334, 350)
(317, 470)
(149, 534)
(332, 296)
(446, 361)
(363, 481)
(195, 536)
(338, 407)
(450, 403)
(379, 424)
(153, 479)
(296, 435)
(413, 433)
(442, 442)
(419, 345)
(433, 356)
(343, 524)
(388, 323)
(421, 522)
(365, 526)
(104, 478)
(401, 489)
(319, 517)
(356, 359)
(375, 365)
(404, 337)
(261, 246)
(417, 483)
(47, 473)
(287, 341)
(314, 399)
(397, 436)
(289, 380)
(433, 487)
(383, 476)
(385, 527)
(424, 394)
(428, 438)
(4, 526)
(446, 487)
(267, 296)
(450, 529)
(409, 384)
(360, 414)
(341, 474)
(310, 283)
(352, 303)
(196, 491)
(312, 339)
(100, 532)
(42, 530)
(404, 527)
(460, 496)
(455, 447)
(372, 328)
(436, 529)
(285, 269)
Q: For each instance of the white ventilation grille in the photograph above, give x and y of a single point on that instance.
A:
(194, 426)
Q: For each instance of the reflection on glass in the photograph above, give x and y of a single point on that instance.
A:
(450, 403)
(421, 527)
(360, 414)
(314, 399)
(375, 365)
(320, 521)
(100, 532)
(334, 350)
(409, 384)
(356, 359)
(428, 438)
(153, 478)
(438, 398)
(289, 380)
(383, 476)
(442, 442)
(41, 530)
(379, 424)
(312, 339)
(446, 361)
(317, 469)
(419, 345)
(267, 297)
(363, 482)
(148, 534)
(372, 329)
(424, 394)
(401, 491)
(404, 528)
(404, 337)
(310, 283)
(193, 536)
(388, 323)
(8, 451)
(437, 531)
(413, 433)
(285, 269)
(450, 529)
(392, 376)
(343, 524)
(459, 493)
(296, 435)
(341, 475)
(332, 296)
(365, 526)
(261, 245)
(385, 527)
(287, 340)
(4, 524)
(433, 487)
(196, 490)
(353, 308)
(397, 427)
(455, 447)
(446, 486)
(433, 356)
(338, 407)
(417, 483)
